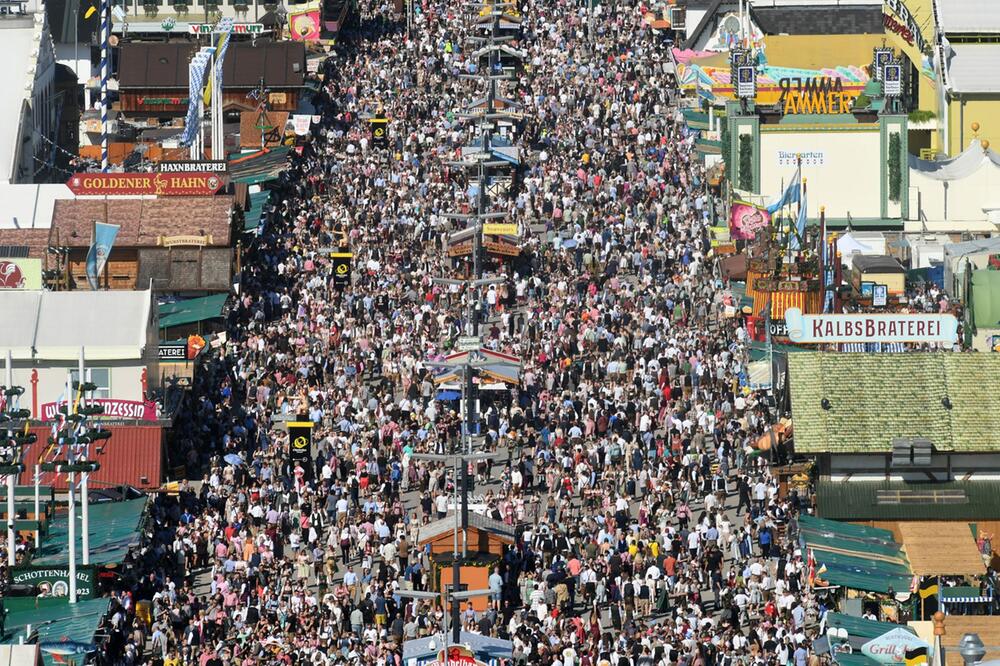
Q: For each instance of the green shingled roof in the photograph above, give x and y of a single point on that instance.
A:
(875, 398)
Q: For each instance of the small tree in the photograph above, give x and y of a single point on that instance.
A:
(746, 162)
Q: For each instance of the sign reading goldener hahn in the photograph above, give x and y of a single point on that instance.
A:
(159, 184)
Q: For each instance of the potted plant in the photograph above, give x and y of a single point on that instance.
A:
(242, 6)
(151, 8)
(181, 7)
(270, 6)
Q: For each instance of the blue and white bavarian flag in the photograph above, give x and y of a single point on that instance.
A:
(100, 248)
(790, 195)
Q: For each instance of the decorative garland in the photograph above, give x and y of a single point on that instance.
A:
(895, 173)
(746, 166)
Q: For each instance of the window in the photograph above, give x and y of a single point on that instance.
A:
(101, 377)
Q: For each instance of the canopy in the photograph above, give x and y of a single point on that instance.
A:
(941, 548)
(192, 310)
(53, 325)
(251, 217)
(259, 166)
(856, 557)
(848, 245)
(858, 627)
(55, 620)
(114, 528)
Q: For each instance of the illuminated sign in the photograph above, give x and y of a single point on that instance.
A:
(818, 95)
(160, 184)
(804, 328)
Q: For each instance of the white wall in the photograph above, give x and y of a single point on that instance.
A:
(846, 181)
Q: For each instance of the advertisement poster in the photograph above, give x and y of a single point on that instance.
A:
(891, 648)
(746, 219)
(304, 22)
(20, 273)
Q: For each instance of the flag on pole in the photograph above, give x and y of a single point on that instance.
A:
(800, 225)
(100, 248)
(791, 194)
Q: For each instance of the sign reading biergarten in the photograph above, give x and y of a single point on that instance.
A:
(841, 328)
(157, 184)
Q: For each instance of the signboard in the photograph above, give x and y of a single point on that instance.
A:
(892, 80)
(815, 95)
(809, 158)
(899, 8)
(158, 184)
(746, 219)
(880, 58)
(778, 328)
(379, 127)
(238, 28)
(499, 229)
(195, 166)
(746, 81)
(880, 295)
(113, 409)
(54, 581)
(505, 249)
(341, 268)
(468, 343)
(300, 441)
(20, 273)
(460, 250)
(804, 328)
(301, 122)
(174, 241)
(162, 101)
(177, 352)
(773, 285)
(891, 648)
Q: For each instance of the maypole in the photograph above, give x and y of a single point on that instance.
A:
(105, 52)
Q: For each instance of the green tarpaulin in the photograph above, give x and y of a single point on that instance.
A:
(858, 627)
(55, 620)
(114, 528)
(259, 166)
(986, 298)
(251, 218)
(192, 310)
(856, 557)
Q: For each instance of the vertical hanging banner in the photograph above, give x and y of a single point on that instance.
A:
(100, 248)
(341, 269)
(380, 130)
(300, 441)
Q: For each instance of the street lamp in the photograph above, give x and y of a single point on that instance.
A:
(972, 649)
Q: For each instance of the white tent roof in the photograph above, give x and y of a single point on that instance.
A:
(971, 68)
(48, 325)
(848, 245)
(973, 16)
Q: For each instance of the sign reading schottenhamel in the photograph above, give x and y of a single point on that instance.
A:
(195, 166)
(921, 328)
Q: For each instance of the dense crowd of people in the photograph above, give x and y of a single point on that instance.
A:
(648, 530)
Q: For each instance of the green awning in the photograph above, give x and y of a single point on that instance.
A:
(55, 620)
(695, 119)
(858, 500)
(986, 298)
(856, 557)
(259, 166)
(114, 528)
(192, 310)
(960, 592)
(858, 627)
(708, 147)
(251, 217)
(854, 659)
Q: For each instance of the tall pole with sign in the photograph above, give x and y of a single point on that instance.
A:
(105, 51)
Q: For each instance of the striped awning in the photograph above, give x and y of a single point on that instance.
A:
(967, 600)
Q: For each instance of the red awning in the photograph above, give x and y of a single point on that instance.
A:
(133, 455)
